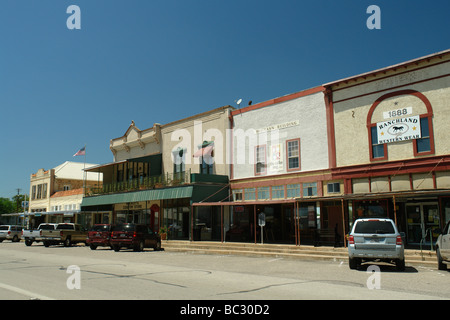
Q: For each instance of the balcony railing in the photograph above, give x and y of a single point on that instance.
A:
(142, 183)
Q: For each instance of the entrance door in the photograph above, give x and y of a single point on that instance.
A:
(422, 218)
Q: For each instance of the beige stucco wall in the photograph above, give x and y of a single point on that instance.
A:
(352, 102)
(136, 143)
(188, 134)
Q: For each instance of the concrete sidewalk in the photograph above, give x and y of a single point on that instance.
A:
(412, 256)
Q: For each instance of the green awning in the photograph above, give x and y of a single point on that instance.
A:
(137, 196)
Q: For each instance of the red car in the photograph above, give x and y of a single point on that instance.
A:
(99, 236)
(134, 236)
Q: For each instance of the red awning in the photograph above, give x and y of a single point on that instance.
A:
(206, 151)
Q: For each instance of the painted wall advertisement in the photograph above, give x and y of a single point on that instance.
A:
(402, 129)
(276, 160)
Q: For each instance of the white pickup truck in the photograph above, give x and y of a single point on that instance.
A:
(35, 235)
(443, 248)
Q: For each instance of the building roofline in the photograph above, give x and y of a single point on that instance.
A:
(197, 115)
(392, 67)
(284, 98)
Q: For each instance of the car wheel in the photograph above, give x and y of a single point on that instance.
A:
(353, 263)
(28, 242)
(139, 247)
(116, 248)
(67, 242)
(158, 246)
(46, 244)
(92, 246)
(441, 265)
(15, 239)
(400, 265)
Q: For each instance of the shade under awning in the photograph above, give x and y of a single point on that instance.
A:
(137, 196)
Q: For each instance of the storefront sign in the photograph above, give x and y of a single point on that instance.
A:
(402, 129)
(279, 126)
(130, 206)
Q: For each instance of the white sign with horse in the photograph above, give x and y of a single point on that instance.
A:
(401, 129)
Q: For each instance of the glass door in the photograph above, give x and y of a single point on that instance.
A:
(414, 223)
(430, 221)
(422, 218)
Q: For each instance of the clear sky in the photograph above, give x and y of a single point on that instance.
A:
(156, 61)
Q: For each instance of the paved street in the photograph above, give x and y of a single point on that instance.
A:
(37, 272)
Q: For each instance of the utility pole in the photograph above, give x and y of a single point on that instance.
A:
(17, 205)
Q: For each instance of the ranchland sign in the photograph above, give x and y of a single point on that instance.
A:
(402, 129)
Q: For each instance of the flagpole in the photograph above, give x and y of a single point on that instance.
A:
(84, 171)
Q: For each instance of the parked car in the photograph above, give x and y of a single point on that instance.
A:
(135, 236)
(375, 240)
(35, 235)
(443, 248)
(99, 236)
(66, 233)
(10, 232)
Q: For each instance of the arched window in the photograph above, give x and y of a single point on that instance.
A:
(422, 146)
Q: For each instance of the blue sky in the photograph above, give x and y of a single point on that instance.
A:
(156, 61)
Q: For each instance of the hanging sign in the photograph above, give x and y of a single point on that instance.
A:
(396, 130)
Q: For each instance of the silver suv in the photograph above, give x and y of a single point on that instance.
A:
(375, 240)
(8, 232)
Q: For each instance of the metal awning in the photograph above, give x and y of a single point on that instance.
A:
(137, 196)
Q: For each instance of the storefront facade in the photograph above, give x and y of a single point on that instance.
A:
(281, 168)
(159, 172)
(390, 144)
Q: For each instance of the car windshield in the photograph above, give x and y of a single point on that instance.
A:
(124, 227)
(4, 228)
(101, 228)
(374, 226)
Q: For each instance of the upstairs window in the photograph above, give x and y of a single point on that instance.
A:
(260, 155)
(424, 144)
(377, 149)
(293, 154)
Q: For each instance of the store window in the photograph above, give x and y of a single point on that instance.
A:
(237, 195)
(278, 192)
(207, 223)
(370, 208)
(176, 218)
(310, 189)
(250, 194)
(293, 190)
(334, 187)
(263, 193)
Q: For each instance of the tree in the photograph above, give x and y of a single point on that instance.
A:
(17, 202)
(7, 206)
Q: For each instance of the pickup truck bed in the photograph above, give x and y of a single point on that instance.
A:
(65, 233)
(35, 235)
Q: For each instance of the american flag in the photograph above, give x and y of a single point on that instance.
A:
(81, 152)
